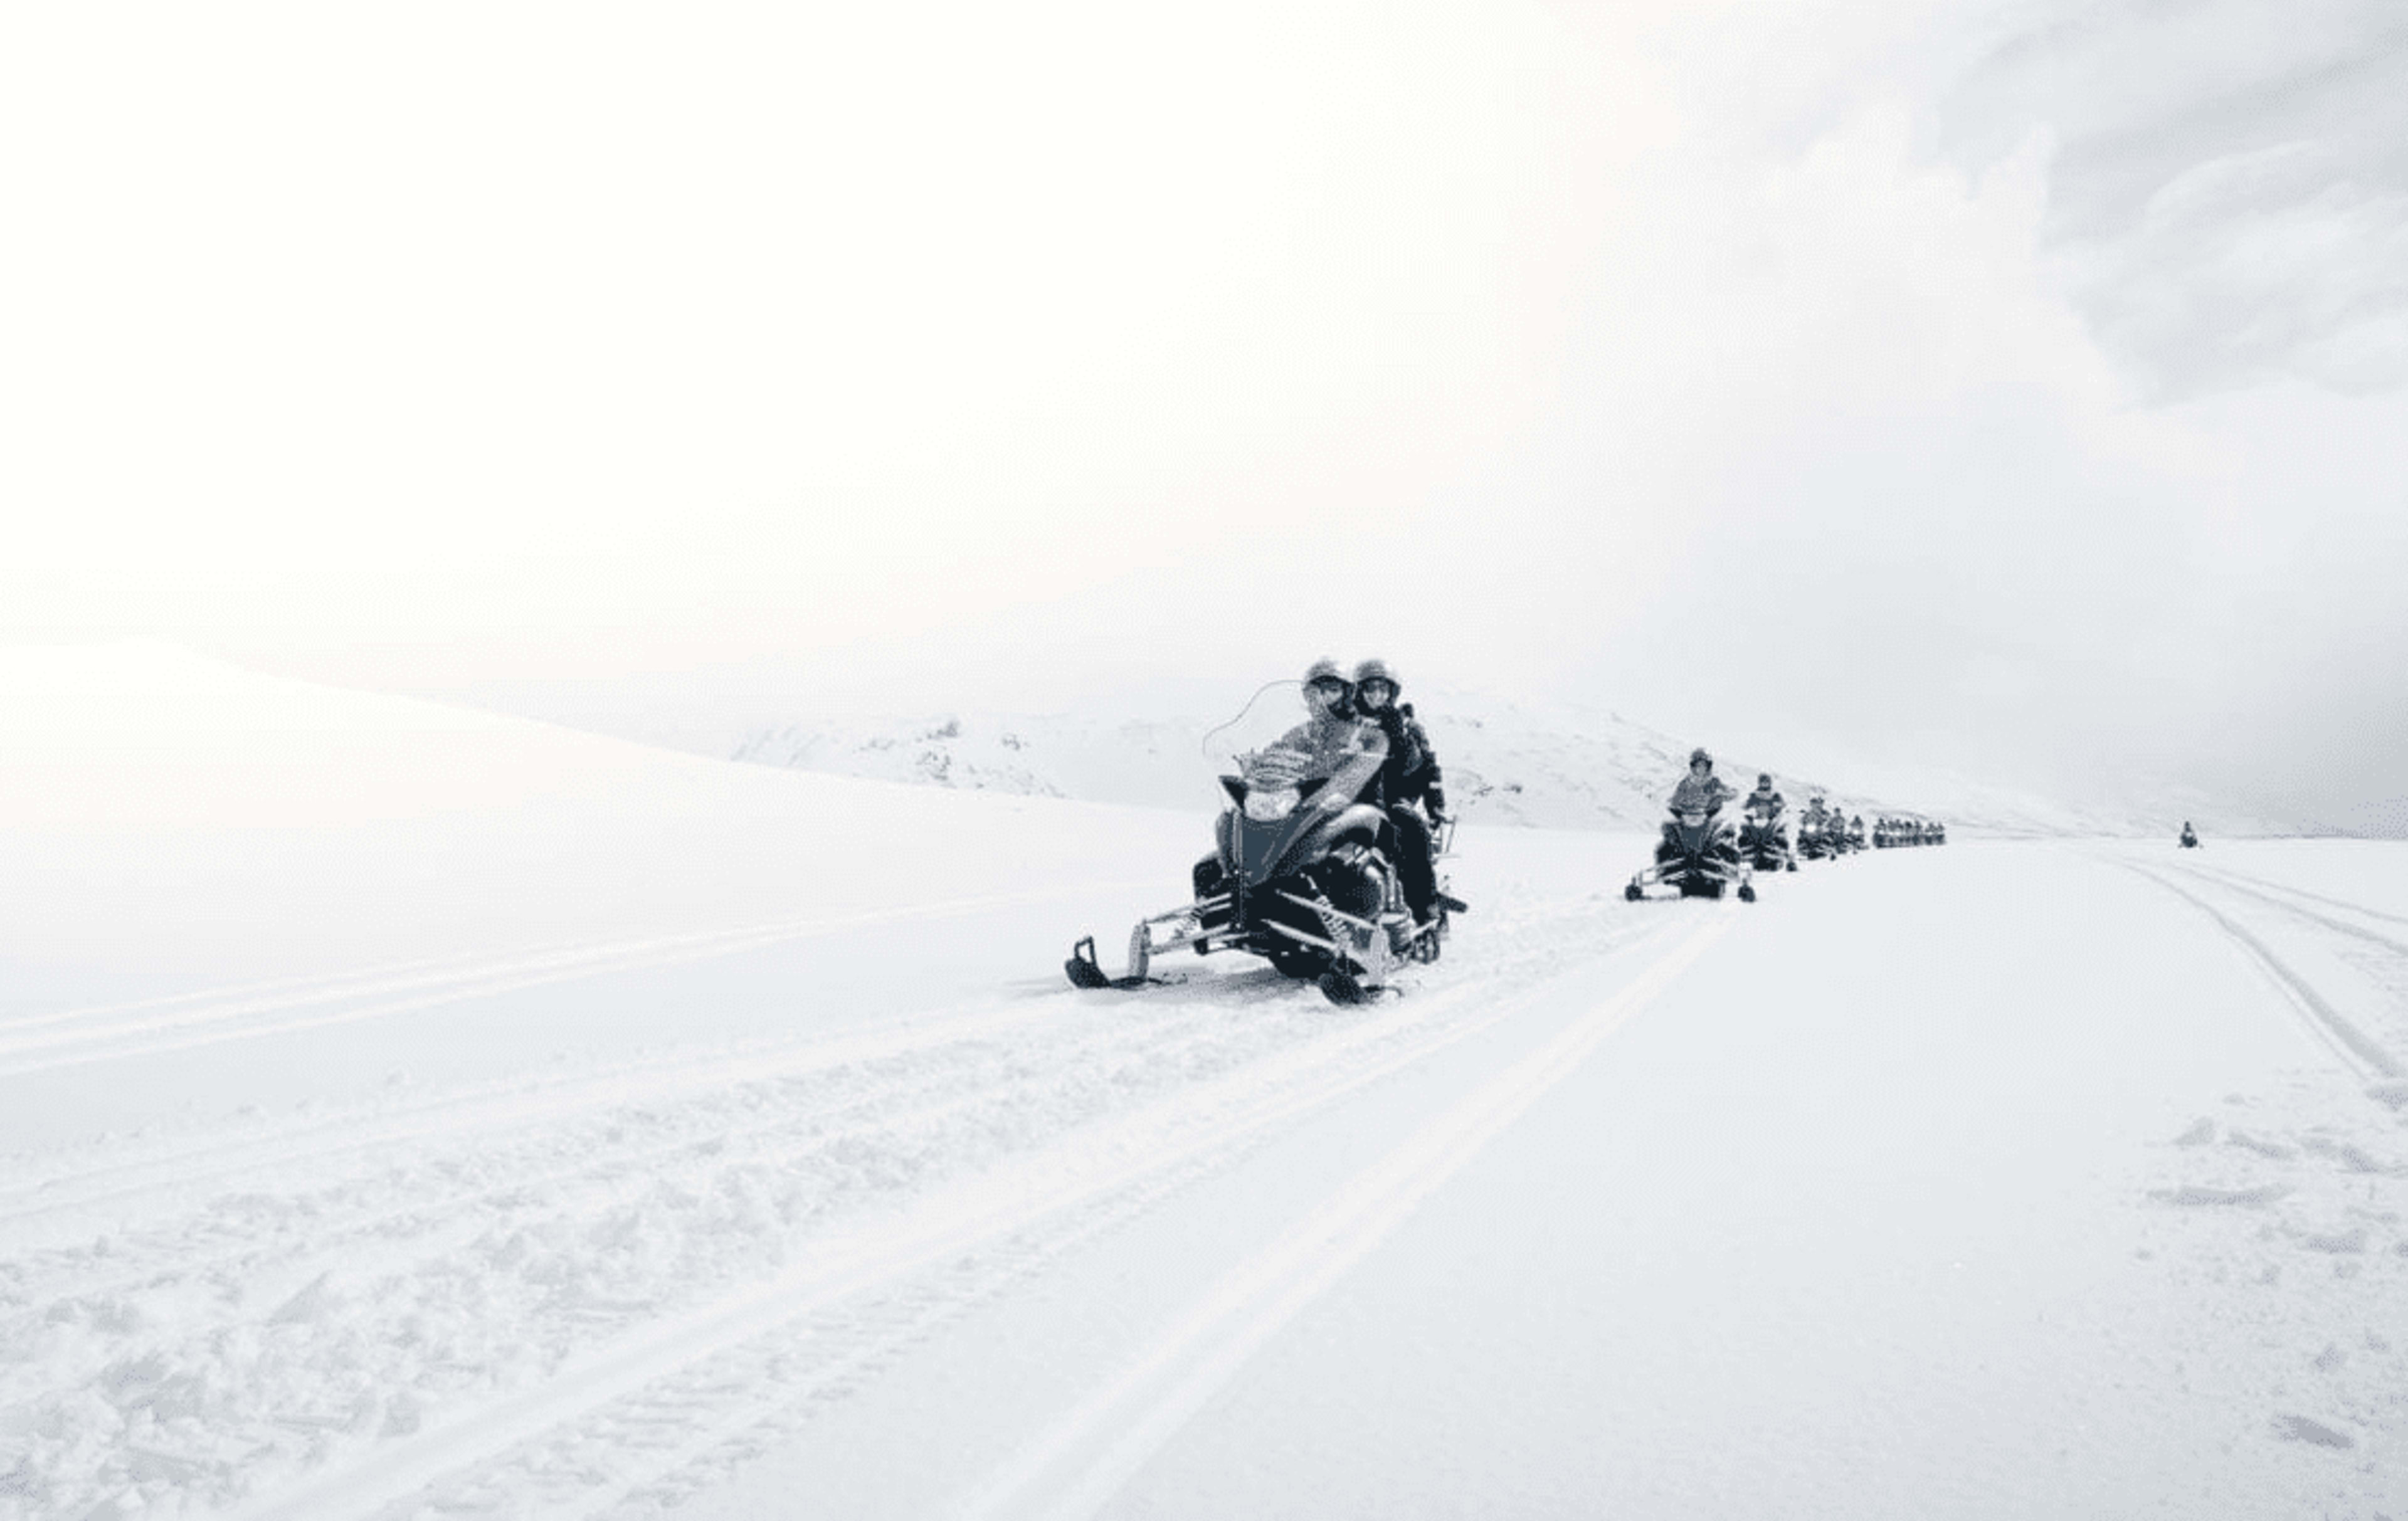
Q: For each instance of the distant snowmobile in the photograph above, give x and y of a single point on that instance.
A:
(2189, 837)
(1307, 888)
(1698, 856)
(1813, 844)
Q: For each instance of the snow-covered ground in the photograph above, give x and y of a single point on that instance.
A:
(408, 1113)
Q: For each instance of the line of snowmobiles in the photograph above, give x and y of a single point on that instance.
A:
(1896, 832)
(1308, 881)
(1701, 855)
(1827, 837)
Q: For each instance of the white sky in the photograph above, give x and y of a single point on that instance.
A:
(2012, 383)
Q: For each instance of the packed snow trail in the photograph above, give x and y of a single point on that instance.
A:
(1921, 1152)
(1895, 1204)
(366, 1302)
(152, 1028)
(1131, 1417)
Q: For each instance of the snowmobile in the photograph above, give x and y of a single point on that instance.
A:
(1699, 855)
(1813, 844)
(1765, 844)
(1309, 888)
(2189, 838)
(1856, 834)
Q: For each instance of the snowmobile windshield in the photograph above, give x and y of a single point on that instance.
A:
(1247, 744)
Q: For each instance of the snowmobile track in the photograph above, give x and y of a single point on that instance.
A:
(79, 1037)
(546, 1438)
(502, 1109)
(598, 1170)
(2268, 892)
(652, 1227)
(2355, 1049)
(1073, 1471)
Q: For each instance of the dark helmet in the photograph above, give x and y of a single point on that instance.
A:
(1323, 669)
(1376, 669)
(1764, 779)
(1699, 755)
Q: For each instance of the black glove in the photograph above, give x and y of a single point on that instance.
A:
(1435, 800)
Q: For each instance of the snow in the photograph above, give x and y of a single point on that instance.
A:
(412, 1112)
(1563, 769)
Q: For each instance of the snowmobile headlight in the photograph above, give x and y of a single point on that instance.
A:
(1271, 806)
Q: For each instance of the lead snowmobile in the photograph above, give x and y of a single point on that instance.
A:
(1306, 886)
(1698, 856)
(2189, 837)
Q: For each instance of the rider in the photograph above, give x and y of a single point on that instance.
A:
(1701, 789)
(1332, 744)
(1409, 775)
(1764, 807)
(1764, 802)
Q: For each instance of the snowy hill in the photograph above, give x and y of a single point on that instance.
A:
(1565, 768)
(1504, 764)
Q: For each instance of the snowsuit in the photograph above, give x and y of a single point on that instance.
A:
(1347, 752)
(1705, 794)
(1764, 806)
(1409, 775)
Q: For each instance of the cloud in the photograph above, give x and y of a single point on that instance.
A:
(2015, 379)
(2230, 184)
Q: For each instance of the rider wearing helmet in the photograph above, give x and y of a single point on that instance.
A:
(1700, 790)
(1410, 775)
(1765, 803)
(1333, 745)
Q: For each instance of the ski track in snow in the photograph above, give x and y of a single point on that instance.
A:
(2295, 1197)
(598, 1291)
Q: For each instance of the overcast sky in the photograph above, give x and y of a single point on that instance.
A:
(2009, 385)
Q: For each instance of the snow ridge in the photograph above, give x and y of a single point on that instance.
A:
(1568, 768)
(1504, 764)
